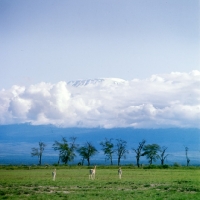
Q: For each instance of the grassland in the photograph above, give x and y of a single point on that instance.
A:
(73, 183)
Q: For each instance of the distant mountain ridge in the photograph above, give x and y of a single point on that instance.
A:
(104, 81)
(17, 140)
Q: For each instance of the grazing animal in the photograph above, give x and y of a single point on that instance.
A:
(120, 173)
(54, 175)
(92, 173)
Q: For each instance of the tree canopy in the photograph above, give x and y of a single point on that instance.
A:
(66, 149)
(138, 151)
(87, 151)
(151, 152)
(121, 150)
(108, 149)
(38, 152)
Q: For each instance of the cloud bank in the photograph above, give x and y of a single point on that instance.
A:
(162, 101)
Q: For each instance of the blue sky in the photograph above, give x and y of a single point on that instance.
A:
(54, 41)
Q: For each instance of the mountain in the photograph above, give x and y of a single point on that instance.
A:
(102, 81)
(16, 142)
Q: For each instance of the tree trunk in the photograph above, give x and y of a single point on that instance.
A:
(111, 162)
(59, 160)
(151, 160)
(118, 161)
(40, 159)
(138, 162)
(88, 161)
(188, 161)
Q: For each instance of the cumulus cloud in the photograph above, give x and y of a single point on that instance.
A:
(166, 100)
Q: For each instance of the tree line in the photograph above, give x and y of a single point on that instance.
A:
(68, 150)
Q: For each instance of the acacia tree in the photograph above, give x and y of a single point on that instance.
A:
(162, 156)
(108, 148)
(66, 149)
(186, 151)
(121, 150)
(138, 151)
(38, 152)
(151, 152)
(87, 151)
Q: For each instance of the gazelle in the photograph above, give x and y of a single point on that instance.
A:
(92, 173)
(120, 173)
(54, 175)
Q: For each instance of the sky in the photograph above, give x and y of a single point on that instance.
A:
(138, 62)
(65, 40)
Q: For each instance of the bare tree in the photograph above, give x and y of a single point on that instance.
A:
(107, 147)
(38, 152)
(138, 152)
(186, 153)
(162, 156)
(121, 150)
(87, 151)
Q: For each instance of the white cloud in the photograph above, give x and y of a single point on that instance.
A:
(166, 100)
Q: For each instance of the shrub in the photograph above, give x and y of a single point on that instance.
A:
(165, 166)
(150, 167)
(176, 164)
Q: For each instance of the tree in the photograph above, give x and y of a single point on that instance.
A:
(87, 151)
(138, 152)
(121, 150)
(66, 149)
(38, 152)
(150, 151)
(186, 151)
(162, 156)
(107, 147)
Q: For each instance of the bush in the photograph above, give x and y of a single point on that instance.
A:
(150, 167)
(176, 164)
(165, 166)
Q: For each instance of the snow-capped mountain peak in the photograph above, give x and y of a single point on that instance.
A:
(104, 81)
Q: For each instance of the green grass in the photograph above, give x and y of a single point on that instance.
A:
(74, 183)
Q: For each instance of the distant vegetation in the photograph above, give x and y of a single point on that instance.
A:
(68, 149)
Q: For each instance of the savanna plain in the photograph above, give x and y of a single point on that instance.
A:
(72, 182)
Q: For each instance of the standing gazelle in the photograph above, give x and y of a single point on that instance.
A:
(92, 173)
(54, 175)
(120, 173)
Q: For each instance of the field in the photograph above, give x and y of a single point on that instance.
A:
(73, 183)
